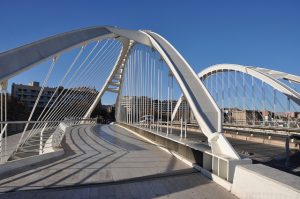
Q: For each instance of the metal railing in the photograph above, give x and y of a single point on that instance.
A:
(279, 123)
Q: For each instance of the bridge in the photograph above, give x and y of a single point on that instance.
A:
(175, 132)
(253, 99)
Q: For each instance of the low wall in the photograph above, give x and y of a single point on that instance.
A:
(258, 181)
(17, 164)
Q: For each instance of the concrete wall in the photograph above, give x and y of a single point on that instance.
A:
(262, 182)
(10, 166)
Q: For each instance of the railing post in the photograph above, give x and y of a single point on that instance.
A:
(41, 139)
(253, 101)
(3, 88)
(172, 80)
(3, 152)
(168, 104)
(185, 116)
(289, 112)
(222, 90)
(244, 96)
(181, 126)
(274, 106)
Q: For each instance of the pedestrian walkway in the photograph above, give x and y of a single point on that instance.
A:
(106, 161)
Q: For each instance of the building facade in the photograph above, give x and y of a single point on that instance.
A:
(27, 94)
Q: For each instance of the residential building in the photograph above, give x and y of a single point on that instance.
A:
(27, 94)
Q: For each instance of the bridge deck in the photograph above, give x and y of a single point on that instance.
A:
(110, 162)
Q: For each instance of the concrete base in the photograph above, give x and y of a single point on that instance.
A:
(262, 182)
(220, 181)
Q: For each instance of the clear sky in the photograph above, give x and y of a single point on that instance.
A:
(258, 33)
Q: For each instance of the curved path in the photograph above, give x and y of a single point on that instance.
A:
(110, 162)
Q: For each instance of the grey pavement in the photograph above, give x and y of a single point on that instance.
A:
(173, 186)
(106, 161)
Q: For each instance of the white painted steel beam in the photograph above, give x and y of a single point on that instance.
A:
(270, 77)
(15, 61)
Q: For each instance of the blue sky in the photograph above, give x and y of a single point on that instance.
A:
(259, 33)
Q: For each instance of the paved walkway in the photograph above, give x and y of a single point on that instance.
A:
(109, 162)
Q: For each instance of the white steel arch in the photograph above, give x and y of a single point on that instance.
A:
(205, 110)
(270, 77)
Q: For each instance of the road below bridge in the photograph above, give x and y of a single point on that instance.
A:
(107, 161)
